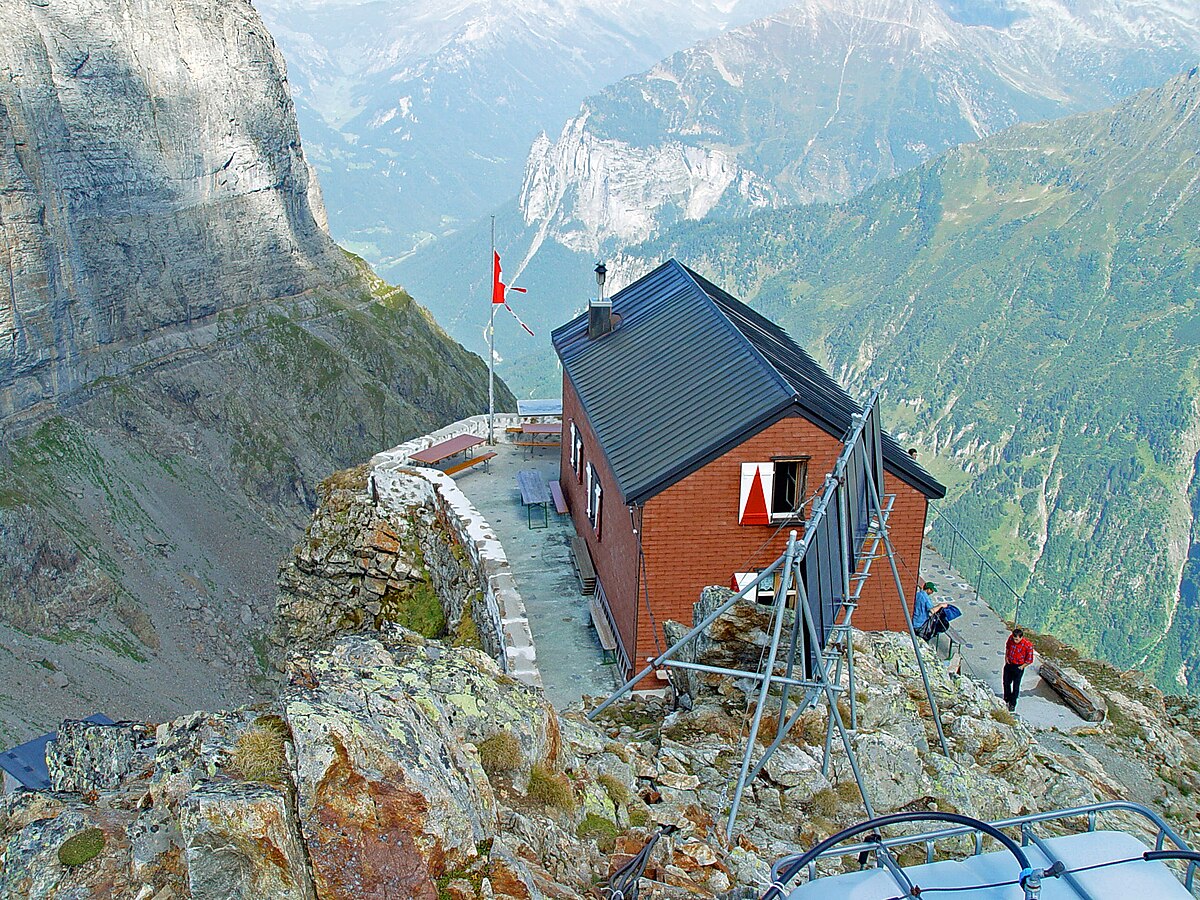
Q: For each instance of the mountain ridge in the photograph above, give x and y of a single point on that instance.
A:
(1028, 304)
(184, 353)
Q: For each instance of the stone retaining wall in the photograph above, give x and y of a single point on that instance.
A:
(500, 616)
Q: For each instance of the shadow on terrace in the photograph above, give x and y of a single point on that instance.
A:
(568, 651)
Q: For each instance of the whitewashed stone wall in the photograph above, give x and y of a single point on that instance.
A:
(401, 484)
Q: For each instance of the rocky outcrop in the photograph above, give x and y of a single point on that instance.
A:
(148, 186)
(411, 769)
(1074, 689)
(370, 557)
(241, 840)
(85, 756)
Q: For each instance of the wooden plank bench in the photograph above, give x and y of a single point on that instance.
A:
(560, 502)
(582, 560)
(608, 641)
(534, 494)
(467, 463)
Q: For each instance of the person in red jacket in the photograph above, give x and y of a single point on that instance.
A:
(1018, 653)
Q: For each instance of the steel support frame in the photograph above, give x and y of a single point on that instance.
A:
(828, 666)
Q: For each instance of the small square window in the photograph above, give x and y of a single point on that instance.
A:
(790, 482)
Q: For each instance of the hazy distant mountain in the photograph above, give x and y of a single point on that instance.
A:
(419, 114)
(824, 99)
(1031, 307)
(815, 102)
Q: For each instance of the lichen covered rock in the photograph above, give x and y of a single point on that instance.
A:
(242, 840)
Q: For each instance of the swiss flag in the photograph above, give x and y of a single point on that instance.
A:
(499, 287)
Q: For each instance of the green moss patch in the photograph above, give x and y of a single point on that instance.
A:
(81, 847)
(599, 829)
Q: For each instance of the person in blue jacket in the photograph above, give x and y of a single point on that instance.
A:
(923, 605)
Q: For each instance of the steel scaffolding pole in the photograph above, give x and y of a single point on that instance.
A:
(912, 633)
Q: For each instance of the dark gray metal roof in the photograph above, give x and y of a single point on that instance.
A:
(690, 372)
(27, 762)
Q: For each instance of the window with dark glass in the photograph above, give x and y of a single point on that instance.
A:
(791, 477)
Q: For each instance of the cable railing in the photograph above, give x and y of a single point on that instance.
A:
(985, 567)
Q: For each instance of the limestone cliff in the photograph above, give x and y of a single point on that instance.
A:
(152, 177)
(183, 354)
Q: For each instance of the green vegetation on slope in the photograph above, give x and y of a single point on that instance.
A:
(1030, 307)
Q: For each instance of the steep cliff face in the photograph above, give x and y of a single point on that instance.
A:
(183, 353)
(151, 177)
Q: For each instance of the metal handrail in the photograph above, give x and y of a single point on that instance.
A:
(1091, 812)
(983, 563)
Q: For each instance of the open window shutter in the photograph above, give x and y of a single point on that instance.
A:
(590, 470)
(596, 514)
(740, 580)
(758, 482)
(574, 450)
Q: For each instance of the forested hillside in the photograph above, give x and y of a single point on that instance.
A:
(1029, 305)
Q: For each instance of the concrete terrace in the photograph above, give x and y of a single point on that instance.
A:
(568, 652)
(984, 633)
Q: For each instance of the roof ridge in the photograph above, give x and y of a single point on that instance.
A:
(693, 276)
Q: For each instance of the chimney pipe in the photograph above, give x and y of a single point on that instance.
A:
(599, 310)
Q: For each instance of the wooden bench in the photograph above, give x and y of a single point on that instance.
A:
(582, 560)
(608, 641)
(560, 502)
(534, 494)
(467, 463)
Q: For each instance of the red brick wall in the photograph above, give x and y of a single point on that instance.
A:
(691, 538)
(615, 550)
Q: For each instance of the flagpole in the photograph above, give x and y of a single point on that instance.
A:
(492, 343)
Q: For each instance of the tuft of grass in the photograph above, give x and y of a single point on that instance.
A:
(599, 829)
(259, 754)
(617, 791)
(1003, 716)
(467, 633)
(276, 723)
(847, 791)
(824, 803)
(81, 847)
(638, 816)
(550, 788)
(500, 752)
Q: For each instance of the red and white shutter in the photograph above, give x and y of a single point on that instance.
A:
(758, 481)
(741, 580)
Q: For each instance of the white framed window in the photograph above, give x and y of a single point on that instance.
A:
(576, 451)
(765, 592)
(595, 495)
(773, 491)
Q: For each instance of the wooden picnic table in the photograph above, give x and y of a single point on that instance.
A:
(534, 493)
(541, 428)
(433, 455)
(539, 434)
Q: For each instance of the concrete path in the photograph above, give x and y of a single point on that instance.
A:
(984, 633)
(568, 651)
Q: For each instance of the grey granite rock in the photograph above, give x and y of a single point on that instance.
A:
(151, 176)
